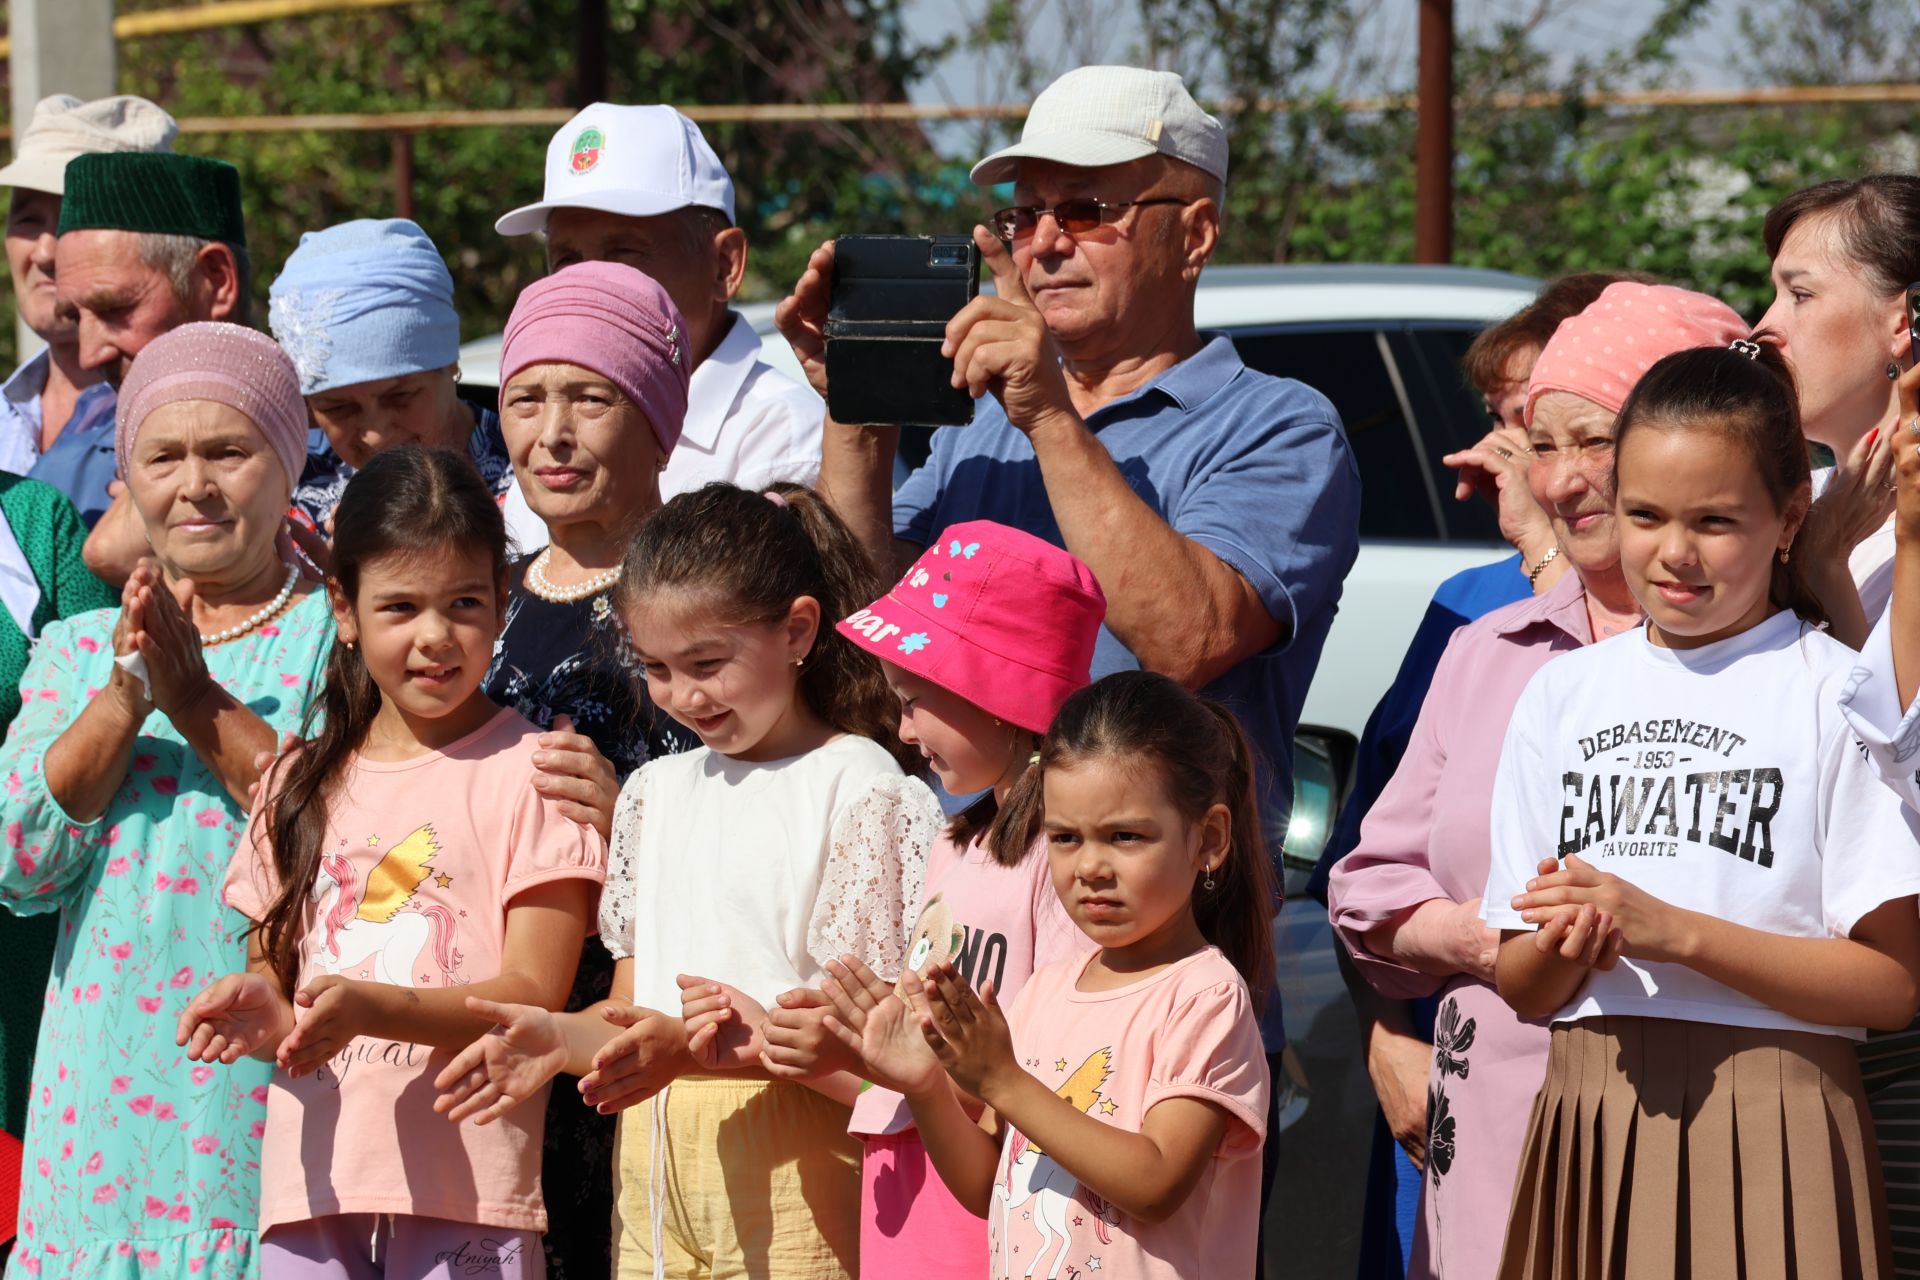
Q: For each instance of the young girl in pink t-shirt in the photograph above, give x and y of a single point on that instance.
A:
(981, 640)
(401, 862)
(1128, 1088)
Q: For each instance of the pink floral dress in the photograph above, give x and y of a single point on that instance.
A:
(139, 1164)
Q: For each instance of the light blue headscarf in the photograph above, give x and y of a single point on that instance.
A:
(363, 301)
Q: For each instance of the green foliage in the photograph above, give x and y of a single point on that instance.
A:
(798, 184)
(1676, 193)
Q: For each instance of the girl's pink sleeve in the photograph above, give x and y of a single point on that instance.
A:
(1387, 874)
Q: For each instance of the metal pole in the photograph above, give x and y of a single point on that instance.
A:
(57, 46)
(1433, 146)
(402, 174)
(591, 37)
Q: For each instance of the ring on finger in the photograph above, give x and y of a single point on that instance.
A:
(1505, 453)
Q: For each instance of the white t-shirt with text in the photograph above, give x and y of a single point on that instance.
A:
(1722, 779)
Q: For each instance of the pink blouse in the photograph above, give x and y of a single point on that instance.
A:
(1427, 837)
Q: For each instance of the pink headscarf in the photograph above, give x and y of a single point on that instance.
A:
(228, 364)
(614, 320)
(1601, 353)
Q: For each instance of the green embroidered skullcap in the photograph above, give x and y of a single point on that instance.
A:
(154, 191)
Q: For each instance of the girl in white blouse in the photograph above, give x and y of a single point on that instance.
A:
(793, 833)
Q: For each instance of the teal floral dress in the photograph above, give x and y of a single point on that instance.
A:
(139, 1164)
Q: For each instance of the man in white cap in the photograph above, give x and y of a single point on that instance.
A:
(1218, 506)
(51, 391)
(641, 186)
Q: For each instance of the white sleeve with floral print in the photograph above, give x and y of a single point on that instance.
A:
(876, 863)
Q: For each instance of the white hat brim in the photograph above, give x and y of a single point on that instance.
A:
(628, 204)
(1082, 149)
(36, 174)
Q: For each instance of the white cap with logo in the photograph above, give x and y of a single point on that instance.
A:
(1096, 116)
(64, 127)
(633, 161)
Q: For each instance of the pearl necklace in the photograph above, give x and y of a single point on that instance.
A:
(273, 606)
(546, 589)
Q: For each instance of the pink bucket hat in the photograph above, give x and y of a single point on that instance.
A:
(1601, 353)
(615, 320)
(229, 364)
(992, 614)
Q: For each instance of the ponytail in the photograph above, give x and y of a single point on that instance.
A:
(754, 554)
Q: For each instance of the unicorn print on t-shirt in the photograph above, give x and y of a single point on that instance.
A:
(1035, 1178)
(383, 933)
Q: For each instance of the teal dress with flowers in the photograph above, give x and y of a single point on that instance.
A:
(139, 1164)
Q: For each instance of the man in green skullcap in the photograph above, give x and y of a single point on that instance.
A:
(149, 241)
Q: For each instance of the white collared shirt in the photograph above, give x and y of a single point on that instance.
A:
(747, 424)
(20, 414)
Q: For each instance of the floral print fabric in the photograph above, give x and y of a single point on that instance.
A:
(138, 1162)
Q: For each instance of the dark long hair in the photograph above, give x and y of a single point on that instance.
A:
(1750, 401)
(406, 501)
(1202, 758)
(753, 557)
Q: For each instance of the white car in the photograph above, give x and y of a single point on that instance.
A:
(1384, 344)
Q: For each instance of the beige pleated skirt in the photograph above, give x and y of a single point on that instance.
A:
(1661, 1148)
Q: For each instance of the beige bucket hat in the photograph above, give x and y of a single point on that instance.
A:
(64, 127)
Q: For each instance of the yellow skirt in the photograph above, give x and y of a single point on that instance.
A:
(725, 1178)
(1665, 1148)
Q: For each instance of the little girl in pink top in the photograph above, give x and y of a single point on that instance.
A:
(1127, 1087)
(401, 862)
(981, 641)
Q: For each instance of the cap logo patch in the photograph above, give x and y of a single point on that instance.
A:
(586, 149)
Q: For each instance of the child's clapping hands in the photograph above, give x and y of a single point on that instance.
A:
(967, 1032)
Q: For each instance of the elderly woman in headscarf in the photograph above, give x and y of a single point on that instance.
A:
(594, 371)
(365, 311)
(1406, 901)
(125, 779)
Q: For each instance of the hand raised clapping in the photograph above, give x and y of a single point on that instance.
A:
(871, 1021)
(156, 621)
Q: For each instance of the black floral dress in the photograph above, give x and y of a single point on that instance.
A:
(573, 659)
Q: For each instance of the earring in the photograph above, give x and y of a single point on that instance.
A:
(1207, 884)
(799, 661)
(1893, 370)
(1786, 554)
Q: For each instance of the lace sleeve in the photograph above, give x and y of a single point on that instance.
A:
(617, 898)
(875, 867)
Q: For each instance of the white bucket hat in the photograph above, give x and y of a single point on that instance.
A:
(633, 161)
(1096, 116)
(64, 127)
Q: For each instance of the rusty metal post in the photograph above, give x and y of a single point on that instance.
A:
(402, 174)
(591, 38)
(1433, 145)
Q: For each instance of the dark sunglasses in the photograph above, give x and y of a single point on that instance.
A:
(1073, 216)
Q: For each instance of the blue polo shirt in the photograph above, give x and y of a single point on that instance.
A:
(1254, 468)
(81, 462)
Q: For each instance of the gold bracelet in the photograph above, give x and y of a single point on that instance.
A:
(1533, 575)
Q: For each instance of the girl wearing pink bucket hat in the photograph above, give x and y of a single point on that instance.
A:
(982, 640)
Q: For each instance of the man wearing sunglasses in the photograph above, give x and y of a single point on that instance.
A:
(1218, 506)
